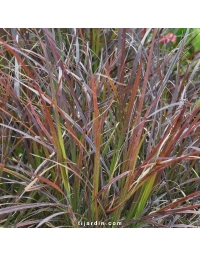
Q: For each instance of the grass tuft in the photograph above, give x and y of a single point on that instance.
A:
(99, 126)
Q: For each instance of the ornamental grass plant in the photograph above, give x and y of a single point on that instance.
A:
(99, 126)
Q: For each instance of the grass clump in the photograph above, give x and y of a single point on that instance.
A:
(99, 126)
